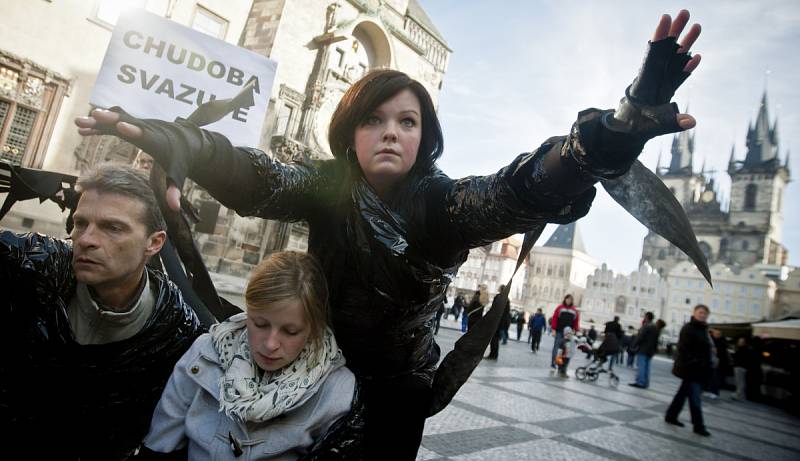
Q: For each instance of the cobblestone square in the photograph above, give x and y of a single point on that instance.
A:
(516, 409)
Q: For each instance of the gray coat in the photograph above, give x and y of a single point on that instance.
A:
(189, 412)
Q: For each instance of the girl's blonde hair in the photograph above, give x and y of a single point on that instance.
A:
(291, 275)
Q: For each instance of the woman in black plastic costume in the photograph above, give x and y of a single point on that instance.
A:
(391, 229)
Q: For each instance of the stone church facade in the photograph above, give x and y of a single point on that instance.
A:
(749, 231)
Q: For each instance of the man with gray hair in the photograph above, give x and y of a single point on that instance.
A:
(92, 333)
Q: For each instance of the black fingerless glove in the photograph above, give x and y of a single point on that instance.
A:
(173, 145)
(646, 112)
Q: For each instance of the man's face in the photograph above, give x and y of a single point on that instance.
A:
(110, 240)
(701, 315)
(143, 162)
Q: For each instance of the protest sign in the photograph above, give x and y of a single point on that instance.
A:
(157, 68)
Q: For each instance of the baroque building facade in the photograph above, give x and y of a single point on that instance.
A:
(492, 266)
(628, 297)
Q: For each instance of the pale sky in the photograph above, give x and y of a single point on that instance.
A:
(522, 70)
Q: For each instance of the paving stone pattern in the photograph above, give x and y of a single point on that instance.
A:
(514, 408)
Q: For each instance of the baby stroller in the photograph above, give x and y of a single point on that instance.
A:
(595, 368)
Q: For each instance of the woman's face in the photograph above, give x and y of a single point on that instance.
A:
(568, 301)
(278, 334)
(387, 142)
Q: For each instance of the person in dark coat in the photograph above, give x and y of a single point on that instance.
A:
(723, 363)
(627, 346)
(646, 344)
(592, 334)
(615, 328)
(608, 348)
(390, 229)
(520, 324)
(474, 310)
(747, 370)
(458, 306)
(494, 346)
(92, 334)
(505, 320)
(693, 366)
(537, 325)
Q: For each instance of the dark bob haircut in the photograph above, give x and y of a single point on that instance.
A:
(361, 99)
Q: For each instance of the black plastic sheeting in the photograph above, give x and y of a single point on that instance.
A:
(63, 400)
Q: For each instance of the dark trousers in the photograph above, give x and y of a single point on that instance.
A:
(395, 417)
(537, 338)
(691, 390)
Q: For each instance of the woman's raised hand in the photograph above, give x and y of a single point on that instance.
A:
(667, 27)
(107, 122)
(102, 121)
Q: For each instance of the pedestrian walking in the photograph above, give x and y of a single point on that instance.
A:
(693, 366)
(615, 328)
(474, 310)
(505, 321)
(566, 315)
(520, 323)
(646, 343)
(627, 344)
(537, 326)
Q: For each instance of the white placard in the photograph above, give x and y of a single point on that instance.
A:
(157, 68)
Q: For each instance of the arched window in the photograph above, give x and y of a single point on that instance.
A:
(750, 193)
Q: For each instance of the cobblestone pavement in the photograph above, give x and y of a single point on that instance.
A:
(515, 409)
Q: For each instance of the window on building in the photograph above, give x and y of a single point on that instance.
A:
(750, 192)
(688, 301)
(30, 97)
(662, 254)
(756, 309)
(283, 123)
(209, 23)
(745, 245)
(740, 307)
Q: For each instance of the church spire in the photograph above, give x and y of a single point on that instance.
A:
(762, 140)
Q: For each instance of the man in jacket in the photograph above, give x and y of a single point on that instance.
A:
(647, 343)
(92, 335)
(693, 366)
(566, 315)
(537, 325)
